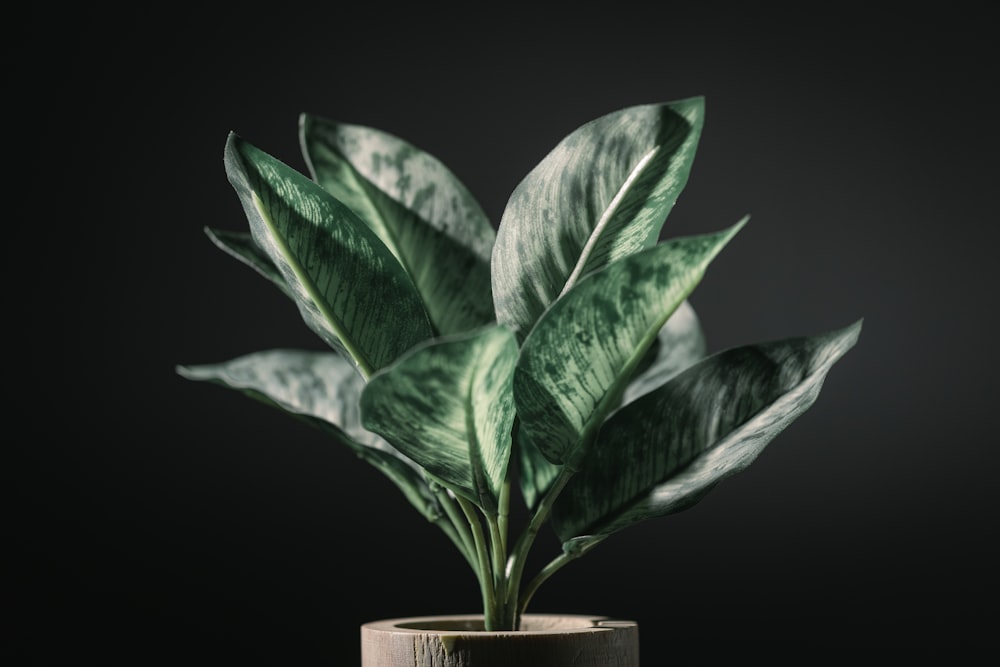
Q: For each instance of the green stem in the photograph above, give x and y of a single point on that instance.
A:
(504, 513)
(485, 579)
(554, 566)
(451, 531)
(500, 553)
(515, 565)
(540, 578)
(499, 576)
(465, 540)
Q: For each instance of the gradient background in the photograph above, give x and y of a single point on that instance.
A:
(158, 518)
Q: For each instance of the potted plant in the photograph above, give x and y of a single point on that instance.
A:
(552, 361)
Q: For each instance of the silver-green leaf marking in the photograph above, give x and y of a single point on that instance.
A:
(349, 288)
(679, 344)
(575, 364)
(323, 389)
(665, 451)
(447, 404)
(601, 194)
(417, 207)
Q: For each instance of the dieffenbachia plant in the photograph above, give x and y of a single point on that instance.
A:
(556, 354)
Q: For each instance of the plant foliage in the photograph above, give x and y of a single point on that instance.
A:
(555, 361)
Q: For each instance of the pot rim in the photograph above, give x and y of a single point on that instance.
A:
(539, 624)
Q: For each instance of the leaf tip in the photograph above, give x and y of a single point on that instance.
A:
(852, 332)
(695, 101)
(728, 233)
(306, 123)
(232, 140)
(231, 152)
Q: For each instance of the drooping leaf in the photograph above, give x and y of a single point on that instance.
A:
(349, 288)
(419, 209)
(576, 362)
(447, 405)
(241, 246)
(665, 451)
(679, 344)
(322, 389)
(601, 194)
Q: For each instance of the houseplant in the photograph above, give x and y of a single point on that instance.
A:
(553, 360)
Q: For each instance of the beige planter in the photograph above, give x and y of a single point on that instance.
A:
(544, 640)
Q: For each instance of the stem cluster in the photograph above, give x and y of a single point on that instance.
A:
(482, 538)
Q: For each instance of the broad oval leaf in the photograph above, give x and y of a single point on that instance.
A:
(601, 194)
(323, 389)
(679, 344)
(420, 210)
(447, 404)
(576, 362)
(664, 452)
(242, 246)
(349, 288)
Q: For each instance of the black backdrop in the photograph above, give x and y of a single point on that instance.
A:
(156, 518)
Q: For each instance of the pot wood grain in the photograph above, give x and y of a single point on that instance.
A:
(544, 640)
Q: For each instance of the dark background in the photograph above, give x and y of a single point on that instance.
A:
(156, 518)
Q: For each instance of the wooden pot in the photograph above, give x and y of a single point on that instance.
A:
(544, 640)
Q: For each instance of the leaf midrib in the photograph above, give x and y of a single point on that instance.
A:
(605, 220)
(609, 402)
(364, 364)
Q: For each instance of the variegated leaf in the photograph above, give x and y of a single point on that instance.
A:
(576, 362)
(241, 246)
(323, 389)
(447, 405)
(679, 344)
(349, 288)
(420, 210)
(601, 194)
(665, 451)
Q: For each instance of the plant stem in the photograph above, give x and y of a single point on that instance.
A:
(504, 512)
(466, 544)
(500, 534)
(498, 573)
(485, 578)
(451, 531)
(554, 565)
(515, 565)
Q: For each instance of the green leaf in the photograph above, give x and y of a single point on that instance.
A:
(679, 344)
(447, 404)
(349, 288)
(576, 362)
(418, 208)
(241, 246)
(601, 194)
(664, 452)
(323, 390)
(535, 474)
